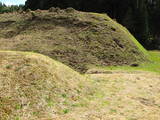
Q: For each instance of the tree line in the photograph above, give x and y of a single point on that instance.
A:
(141, 17)
(6, 9)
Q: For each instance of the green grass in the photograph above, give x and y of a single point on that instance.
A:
(152, 66)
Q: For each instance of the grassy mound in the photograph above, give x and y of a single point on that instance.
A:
(75, 38)
(33, 86)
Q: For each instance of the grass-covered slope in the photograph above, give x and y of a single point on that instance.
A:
(33, 86)
(75, 38)
(152, 66)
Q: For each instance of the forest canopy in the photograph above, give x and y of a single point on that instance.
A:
(141, 17)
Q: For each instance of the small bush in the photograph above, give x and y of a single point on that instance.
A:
(38, 10)
(70, 10)
(28, 10)
(33, 15)
(65, 111)
(52, 9)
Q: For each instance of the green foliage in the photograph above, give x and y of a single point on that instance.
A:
(64, 95)
(65, 111)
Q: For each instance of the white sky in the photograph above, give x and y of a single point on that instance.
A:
(13, 2)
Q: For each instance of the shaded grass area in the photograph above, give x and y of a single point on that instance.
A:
(153, 65)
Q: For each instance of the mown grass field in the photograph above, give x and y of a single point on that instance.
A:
(152, 66)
